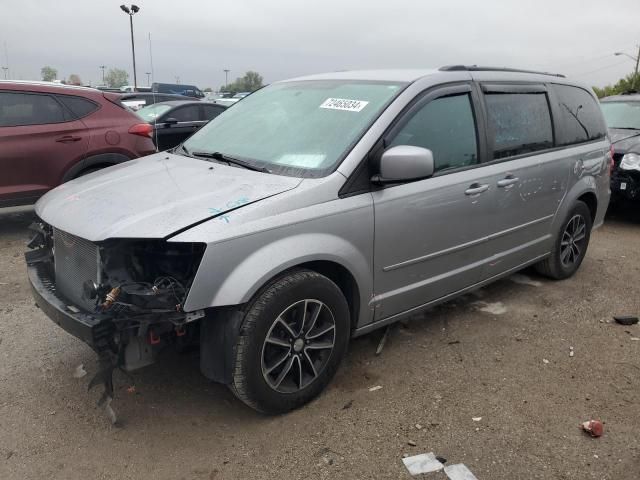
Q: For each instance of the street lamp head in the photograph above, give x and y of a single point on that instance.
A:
(135, 8)
(125, 9)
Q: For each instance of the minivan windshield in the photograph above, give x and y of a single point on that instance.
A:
(622, 114)
(299, 128)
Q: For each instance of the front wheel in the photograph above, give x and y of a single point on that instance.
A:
(292, 340)
(570, 245)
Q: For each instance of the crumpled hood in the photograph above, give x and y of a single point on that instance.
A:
(154, 197)
(624, 141)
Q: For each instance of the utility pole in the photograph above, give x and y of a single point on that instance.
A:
(226, 77)
(635, 75)
(102, 67)
(148, 74)
(6, 62)
(131, 11)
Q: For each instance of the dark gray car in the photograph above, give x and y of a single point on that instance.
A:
(622, 114)
(318, 209)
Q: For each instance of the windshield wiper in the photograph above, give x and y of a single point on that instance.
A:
(230, 160)
(184, 149)
(626, 128)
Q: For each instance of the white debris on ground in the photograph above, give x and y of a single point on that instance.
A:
(459, 471)
(476, 419)
(571, 351)
(423, 463)
(377, 387)
(545, 361)
(495, 308)
(111, 415)
(524, 280)
(79, 372)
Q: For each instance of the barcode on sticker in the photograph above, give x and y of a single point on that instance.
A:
(344, 104)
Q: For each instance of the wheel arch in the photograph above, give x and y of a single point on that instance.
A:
(101, 160)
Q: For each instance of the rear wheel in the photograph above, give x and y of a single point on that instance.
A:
(570, 246)
(292, 340)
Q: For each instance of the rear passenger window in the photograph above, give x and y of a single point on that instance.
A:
(445, 126)
(186, 114)
(580, 117)
(29, 109)
(211, 112)
(80, 107)
(518, 123)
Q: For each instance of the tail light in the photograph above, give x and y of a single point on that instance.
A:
(611, 162)
(142, 129)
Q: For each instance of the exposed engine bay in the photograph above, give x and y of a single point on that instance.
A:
(128, 294)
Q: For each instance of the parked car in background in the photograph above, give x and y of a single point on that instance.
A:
(622, 114)
(51, 133)
(177, 89)
(173, 122)
(322, 208)
(135, 101)
(228, 100)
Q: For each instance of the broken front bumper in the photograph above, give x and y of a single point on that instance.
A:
(94, 329)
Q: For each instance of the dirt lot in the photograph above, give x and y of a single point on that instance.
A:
(513, 369)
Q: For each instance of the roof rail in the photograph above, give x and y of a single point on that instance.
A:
(476, 68)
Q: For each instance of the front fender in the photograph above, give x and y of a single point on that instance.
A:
(232, 272)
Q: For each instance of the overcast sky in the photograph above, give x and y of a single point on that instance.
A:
(197, 39)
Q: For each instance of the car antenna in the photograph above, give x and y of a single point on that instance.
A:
(153, 94)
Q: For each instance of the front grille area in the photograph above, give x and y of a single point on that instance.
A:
(76, 261)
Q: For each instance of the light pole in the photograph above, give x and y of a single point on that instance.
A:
(102, 67)
(6, 72)
(226, 77)
(131, 11)
(635, 59)
(148, 74)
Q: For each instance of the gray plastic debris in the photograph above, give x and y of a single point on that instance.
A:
(423, 463)
(626, 320)
(459, 471)
(79, 372)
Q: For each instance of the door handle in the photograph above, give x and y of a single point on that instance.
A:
(68, 139)
(508, 181)
(476, 188)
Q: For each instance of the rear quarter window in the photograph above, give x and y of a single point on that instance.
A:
(580, 119)
(518, 123)
(80, 107)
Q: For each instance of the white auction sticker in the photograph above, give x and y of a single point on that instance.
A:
(344, 104)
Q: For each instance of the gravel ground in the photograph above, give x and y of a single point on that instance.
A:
(505, 360)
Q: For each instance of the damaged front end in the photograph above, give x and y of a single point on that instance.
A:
(123, 297)
(625, 179)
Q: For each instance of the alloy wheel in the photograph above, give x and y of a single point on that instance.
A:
(298, 346)
(572, 244)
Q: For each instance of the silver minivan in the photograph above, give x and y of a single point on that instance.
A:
(318, 209)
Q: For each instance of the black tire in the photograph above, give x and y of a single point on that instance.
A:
(562, 264)
(254, 375)
(90, 170)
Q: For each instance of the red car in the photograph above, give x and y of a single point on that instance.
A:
(50, 134)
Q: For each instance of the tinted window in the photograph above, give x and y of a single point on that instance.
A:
(80, 107)
(211, 111)
(29, 109)
(445, 126)
(580, 117)
(185, 114)
(518, 123)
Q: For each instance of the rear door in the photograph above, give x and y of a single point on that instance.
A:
(430, 235)
(39, 139)
(210, 111)
(529, 174)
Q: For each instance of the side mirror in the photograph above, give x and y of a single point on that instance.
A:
(170, 121)
(404, 163)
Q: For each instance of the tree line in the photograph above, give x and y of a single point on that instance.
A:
(117, 77)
